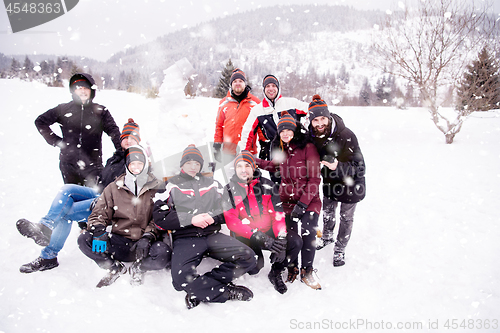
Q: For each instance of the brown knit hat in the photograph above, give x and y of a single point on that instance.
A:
(287, 121)
(318, 108)
(131, 128)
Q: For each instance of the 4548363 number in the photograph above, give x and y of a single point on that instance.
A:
(34, 8)
(471, 324)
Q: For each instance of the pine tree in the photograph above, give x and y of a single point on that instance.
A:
(223, 86)
(479, 89)
(365, 94)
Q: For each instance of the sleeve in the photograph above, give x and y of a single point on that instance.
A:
(43, 123)
(219, 124)
(248, 133)
(111, 129)
(232, 218)
(164, 215)
(267, 165)
(311, 189)
(102, 214)
(279, 223)
(351, 161)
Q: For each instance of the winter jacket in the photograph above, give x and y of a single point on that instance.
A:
(82, 126)
(299, 171)
(262, 120)
(115, 166)
(254, 205)
(231, 117)
(347, 182)
(185, 197)
(129, 216)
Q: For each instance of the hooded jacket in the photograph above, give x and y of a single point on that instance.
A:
(254, 205)
(185, 197)
(81, 125)
(299, 168)
(347, 182)
(129, 215)
(231, 116)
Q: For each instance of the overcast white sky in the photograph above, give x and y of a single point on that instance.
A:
(98, 29)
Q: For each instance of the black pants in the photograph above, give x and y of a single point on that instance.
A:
(119, 249)
(87, 175)
(236, 258)
(309, 222)
(293, 247)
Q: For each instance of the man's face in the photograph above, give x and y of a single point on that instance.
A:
(271, 91)
(319, 124)
(191, 168)
(244, 171)
(238, 86)
(128, 141)
(83, 93)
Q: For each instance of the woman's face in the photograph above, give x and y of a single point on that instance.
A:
(135, 167)
(286, 135)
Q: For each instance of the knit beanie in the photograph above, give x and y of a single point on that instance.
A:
(237, 74)
(245, 156)
(131, 128)
(270, 79)
(134, 153)
(80, 83)
(318, 108)
(287, 121)
(191, 153)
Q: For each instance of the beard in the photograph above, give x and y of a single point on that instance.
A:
(327, 129)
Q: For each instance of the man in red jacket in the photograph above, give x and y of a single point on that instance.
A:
(232, 115)
(254, 213)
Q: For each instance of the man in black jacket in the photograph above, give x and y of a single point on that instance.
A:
(82, 122)
(343, 174)
(191, 209)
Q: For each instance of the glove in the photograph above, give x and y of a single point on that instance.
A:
(100, 239)
(217, 152)
(263, 240)
(141, 247)
(298, 211)
(278, 250)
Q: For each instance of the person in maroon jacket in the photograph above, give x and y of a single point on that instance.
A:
(253, 212)
(82, 122)
(297, 160)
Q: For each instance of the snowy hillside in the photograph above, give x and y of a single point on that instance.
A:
(424, 248)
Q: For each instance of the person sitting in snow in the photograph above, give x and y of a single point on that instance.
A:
(254, 213)
(191, 208)
(343, 175)
(127, 206)
(73, 203)
(82, 123)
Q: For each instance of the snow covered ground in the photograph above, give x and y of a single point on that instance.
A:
(424, 249)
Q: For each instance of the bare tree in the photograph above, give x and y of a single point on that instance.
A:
(429, 45)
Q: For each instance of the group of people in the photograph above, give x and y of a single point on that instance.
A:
(127, 215)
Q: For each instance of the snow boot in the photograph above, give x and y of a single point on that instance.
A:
(293, 272)
(39, 264)
(136, 274)
(191, 301)
(338, 259)
(306, 276)
(277, 281)
(36, 231)
(113, 274)
(238, 293)
(322, 242)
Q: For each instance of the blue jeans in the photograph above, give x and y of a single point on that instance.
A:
(72, 203)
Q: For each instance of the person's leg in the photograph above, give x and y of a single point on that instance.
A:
(329, 221)
(258, 254)
(309, 222)
(345, 227)
(160, 255)
(70, 173)
(186, 256)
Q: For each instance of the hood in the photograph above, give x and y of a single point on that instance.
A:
(88, 78)
(278, 96)
(136, 182)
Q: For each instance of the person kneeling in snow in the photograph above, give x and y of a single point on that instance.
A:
(127, 206)
(253, 211)
(191, 208)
